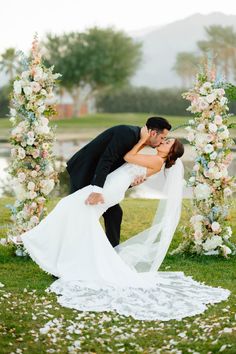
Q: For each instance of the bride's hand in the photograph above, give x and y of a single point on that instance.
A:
(144, 134)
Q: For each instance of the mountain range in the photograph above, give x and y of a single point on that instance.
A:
(161, 45)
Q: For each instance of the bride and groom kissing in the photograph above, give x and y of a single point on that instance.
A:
(95, 271)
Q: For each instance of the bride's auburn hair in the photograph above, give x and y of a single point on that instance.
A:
(176, 151)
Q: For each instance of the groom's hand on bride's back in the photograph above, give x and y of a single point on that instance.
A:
(94, 199)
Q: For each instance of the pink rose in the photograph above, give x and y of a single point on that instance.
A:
(44, 154)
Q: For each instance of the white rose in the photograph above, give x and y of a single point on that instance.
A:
(212, 243)
(213, 156)
(228, 231)
(31, 186)
(220, 91)
(19, 191)
(32, 195)
(35, 86)
(196, 218)
(191, 137)
(30, 134)
(224, 172)
(205, 88)
(34, 173)
(44, 121)
(213, 127)
(17, 130)
(27, 90)
(21, 176)
(208, 149)
(207, 85)
(41, 109)
(13, 120)
(49, 169)
(225, 133)
(21, 153)
(201, 140)
(202, 191)
(202, 104)
(210, 98)
(212, 171)
(201, 127)
(192, 179)
(13, 152)
(211, 164)
(218, 120)
(25, 75)
(223, 101)
(45, 146)
(30, 141)
(13, 112)
(38, 75)
(41, 129)
(206, 173)
(218, 175)
(227, 192)
(226, 250)
(17, 87)
(34, 219)
(215, 226)
(35, 153)
(197, 234)
(47, 186)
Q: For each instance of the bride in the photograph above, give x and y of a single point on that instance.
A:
(71, 244)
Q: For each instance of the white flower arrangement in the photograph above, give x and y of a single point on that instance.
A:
(208, 133)
(34, 168)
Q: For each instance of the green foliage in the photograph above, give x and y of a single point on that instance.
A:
(186, 67)
(143, 99)
(4, 100)
(97, 60)
(9, 63)
(230, 91)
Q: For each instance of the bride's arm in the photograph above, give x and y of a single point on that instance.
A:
(154, 163)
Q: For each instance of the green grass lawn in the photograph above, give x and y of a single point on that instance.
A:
(86, 127)
(25, 307)
(95, 122)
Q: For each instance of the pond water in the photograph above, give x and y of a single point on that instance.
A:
(67, 148)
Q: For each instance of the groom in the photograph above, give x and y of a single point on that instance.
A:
(104, 154)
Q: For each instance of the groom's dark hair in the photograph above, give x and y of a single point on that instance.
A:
(158, 124)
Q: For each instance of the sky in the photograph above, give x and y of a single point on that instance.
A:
(20, 19)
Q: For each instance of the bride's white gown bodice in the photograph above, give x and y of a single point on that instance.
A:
(71, 244)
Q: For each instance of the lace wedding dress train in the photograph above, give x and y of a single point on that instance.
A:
(71, 244)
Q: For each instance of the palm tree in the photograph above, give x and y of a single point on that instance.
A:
(9, 63)
(221, 45)
(186, 67)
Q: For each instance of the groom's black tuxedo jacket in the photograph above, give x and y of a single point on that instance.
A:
(102, 155)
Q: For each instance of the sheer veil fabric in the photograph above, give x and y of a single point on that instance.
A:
(93, 276)
(146, 250)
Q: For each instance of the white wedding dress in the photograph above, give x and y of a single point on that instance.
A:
(71, 244)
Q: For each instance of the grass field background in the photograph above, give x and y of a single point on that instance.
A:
(25, 307)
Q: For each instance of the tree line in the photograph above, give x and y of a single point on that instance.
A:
(99, 63)
(91, 62)
(219, 46)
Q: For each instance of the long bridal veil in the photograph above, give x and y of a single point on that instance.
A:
(146, 251)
